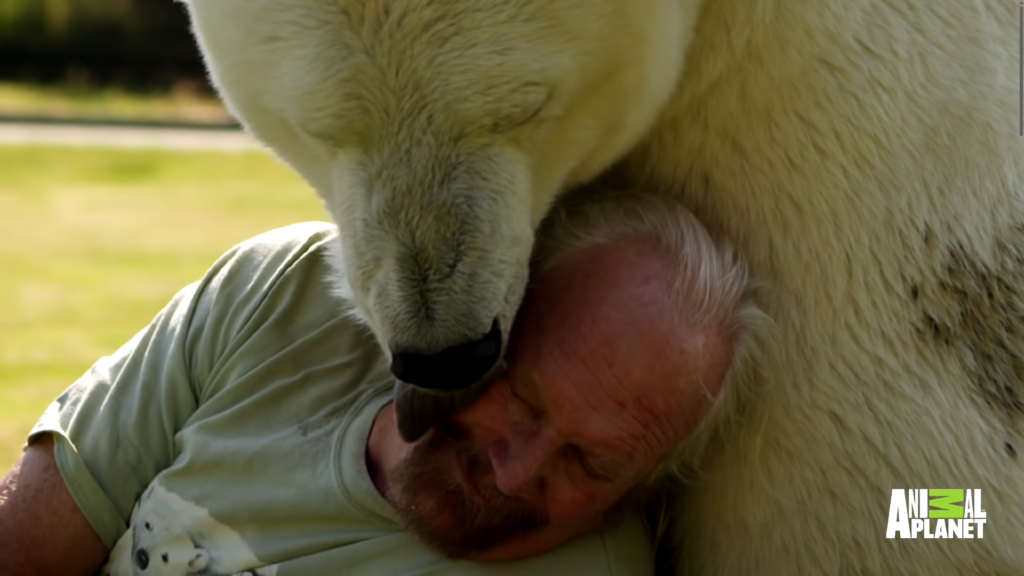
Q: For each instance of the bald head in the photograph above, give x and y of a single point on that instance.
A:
(710, 296)
(607, 314)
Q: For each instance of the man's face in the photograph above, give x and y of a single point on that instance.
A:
(590, 404)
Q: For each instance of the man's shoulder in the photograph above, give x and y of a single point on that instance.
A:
(280, 279)
(292, 233)
(288, 239)
(263, 261)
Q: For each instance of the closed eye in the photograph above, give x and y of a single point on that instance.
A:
(579, 456)
(573, 453)
(529, 101)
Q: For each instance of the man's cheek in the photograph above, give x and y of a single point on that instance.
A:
(577, 503)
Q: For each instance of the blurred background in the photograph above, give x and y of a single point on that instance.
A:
(122, 179)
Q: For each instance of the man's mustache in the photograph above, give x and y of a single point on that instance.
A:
(486, 520)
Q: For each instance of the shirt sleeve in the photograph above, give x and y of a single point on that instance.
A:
(115, 428)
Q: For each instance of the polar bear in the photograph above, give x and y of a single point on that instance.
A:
(170, 536)
(862, 154)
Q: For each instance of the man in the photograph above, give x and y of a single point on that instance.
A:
(250, 427)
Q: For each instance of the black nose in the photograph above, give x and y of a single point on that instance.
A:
(450, 369)
(141, 558)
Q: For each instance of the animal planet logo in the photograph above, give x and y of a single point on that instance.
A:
(912, 512)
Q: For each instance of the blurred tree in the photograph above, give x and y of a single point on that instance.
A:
(138, 43)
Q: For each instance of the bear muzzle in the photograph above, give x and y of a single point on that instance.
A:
(430, 387)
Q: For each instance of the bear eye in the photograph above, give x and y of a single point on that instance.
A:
(164, 557)
(147, 526)
(533, 97)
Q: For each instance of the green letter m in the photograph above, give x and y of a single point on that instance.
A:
(945, 501)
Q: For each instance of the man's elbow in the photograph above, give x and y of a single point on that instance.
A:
(42, 530)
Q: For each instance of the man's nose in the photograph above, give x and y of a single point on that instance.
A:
(519, 445)
(522, 461)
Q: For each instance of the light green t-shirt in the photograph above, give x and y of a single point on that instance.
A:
(229, 436)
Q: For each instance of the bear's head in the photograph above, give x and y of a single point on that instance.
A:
(438, 133)
(159, 548)
(157, 543)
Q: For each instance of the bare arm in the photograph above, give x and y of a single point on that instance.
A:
(42, 531)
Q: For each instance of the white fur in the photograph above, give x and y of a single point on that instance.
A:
(378, 103)
(862, 154)
(178, 538)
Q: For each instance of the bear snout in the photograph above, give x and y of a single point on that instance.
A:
(141, 558)
(453, 368)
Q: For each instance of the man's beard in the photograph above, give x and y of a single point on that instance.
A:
(435, 507)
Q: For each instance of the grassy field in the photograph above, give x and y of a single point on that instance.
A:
(93, 243)
(86, 102)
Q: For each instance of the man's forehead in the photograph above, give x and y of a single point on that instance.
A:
(606, 267)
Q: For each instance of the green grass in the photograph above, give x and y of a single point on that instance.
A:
(93, 243)
(86, 102)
